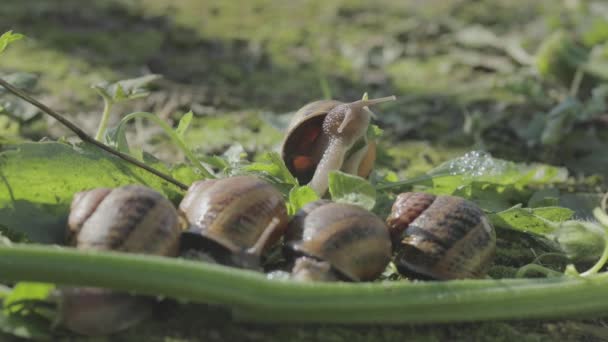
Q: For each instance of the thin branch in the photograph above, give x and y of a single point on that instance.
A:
(87, 138)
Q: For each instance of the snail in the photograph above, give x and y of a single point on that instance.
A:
(440, 237)
(234, 219)
(337, 241)
(330, 135)
(132, 219)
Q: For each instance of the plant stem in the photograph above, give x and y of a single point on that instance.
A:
(105, 116)
(87, 138)
(172, 135)
(576, 82)
(253, 297)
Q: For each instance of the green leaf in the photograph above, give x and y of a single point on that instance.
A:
(126, 89)
(374, 132)
(119, 93)
(117, 138)
(215, 161)
(299, 196)
(582, 241)
(477, 172)
(23, 315)
(25, 291)
(38, 180)
(185, 173)
(272, 166)
(8, 37)
(184, 123)
(539, 221)
(351, 189)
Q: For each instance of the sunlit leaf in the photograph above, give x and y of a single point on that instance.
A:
(8, 37)
(25, 291)
(38, 180)
(539, 221)
(299, 196)
(272, 165)
(351, 189)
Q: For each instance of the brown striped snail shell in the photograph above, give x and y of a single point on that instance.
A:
(235, 219)
(354, 242)
(440, 237)
(131, 219)
(329, 135)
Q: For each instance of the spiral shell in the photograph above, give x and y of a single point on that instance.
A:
(354, 241)
(244, 214)
(441, 237)
(132, 219)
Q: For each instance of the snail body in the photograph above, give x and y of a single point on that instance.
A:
(131, 219)
(329, 135)
(440, 237)
(353, 242)
(242, 216)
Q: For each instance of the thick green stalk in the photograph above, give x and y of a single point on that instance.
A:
(172, 135)
(253, 297)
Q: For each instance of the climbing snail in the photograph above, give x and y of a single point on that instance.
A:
(131, 219)
(337, 241)
(440, 237)
(329, 135)
(234, 219)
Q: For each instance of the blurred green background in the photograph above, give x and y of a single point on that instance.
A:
(523, 80)
(468, 74)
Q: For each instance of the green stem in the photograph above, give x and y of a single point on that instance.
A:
(253, 297)
(172, 135)
(521, 273)
(105, 117)
(576, 82)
